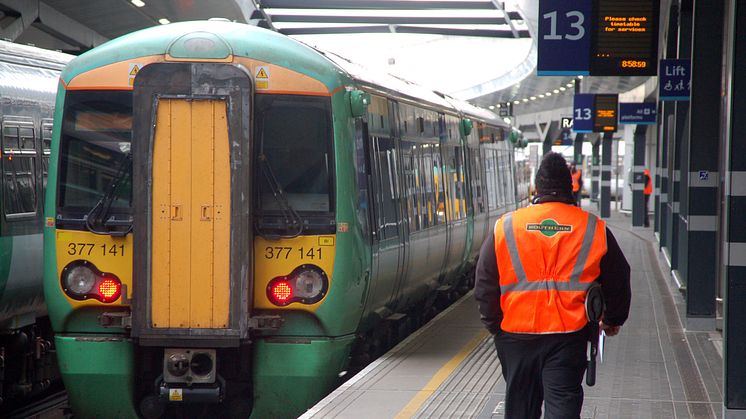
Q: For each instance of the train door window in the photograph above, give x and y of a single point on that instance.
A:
(46, 150)
(461, 193)
(502, 201)
(449, 177)
(19, 167)
(409, 170)
(439, 186)
(426, 168)
(491, 177)
(476, 181)
(362, 169)
(385, 163)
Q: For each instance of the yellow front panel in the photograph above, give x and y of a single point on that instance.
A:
(275, 258)
(109, 254)
(191, 215)
(222, 220)
(161, 237)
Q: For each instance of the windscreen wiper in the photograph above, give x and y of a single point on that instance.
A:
(97, 216)
(291, 216)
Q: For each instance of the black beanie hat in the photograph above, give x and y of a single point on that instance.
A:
(553, 176)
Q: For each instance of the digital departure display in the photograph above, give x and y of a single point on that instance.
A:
(605, 118)
(626, 38)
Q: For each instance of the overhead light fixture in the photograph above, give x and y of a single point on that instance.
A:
(138, 3)
(499, 106)
(580, 77)
(491, 107)
(532, 98)
(563, 88)
(557, 91)
(515, 102)
(569, 84)
(525, 100)
(549, 93)
(541, 95)
(507, 120)
(164, 21)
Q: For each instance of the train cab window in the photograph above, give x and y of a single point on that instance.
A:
(294, 154)
(19, 167)
(95, 161)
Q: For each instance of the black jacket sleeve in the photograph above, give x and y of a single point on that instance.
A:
(487, 286)
(615, 283)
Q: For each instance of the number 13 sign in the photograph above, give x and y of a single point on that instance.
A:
(564, 37)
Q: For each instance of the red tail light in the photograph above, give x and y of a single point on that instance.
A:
(109, 289)
(280, 292)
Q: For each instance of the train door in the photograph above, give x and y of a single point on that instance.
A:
(191, 205)
(388, 241)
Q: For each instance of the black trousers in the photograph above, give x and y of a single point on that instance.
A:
(546, 368)
(647, 217)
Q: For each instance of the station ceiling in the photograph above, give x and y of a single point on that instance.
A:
(75, 26)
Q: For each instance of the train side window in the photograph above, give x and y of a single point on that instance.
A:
(428, 190)
(491, 177)
(439, 187)
(476, 181)
(19, 168)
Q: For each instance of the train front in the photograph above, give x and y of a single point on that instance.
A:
(191, 225)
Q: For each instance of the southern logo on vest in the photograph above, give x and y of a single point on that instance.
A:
(549, 227)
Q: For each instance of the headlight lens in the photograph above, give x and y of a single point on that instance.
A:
(308, 284)
(80, 280)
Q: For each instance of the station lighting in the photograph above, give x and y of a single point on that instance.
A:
(507, 120)
(580, 77)
(493, 106)
(569, 84)
(557, 91)
(515, 102)
(549, 93)
(533, 98)
(525, 100)
(541, 95)
(499, 106)
(138, 3)
(164, 21)
(563, 88)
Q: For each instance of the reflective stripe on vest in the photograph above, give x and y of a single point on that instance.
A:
(523, 283)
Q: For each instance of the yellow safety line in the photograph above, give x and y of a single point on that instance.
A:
(444, 372)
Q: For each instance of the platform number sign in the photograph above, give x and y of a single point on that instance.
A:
(598, 37)
(582, 112)
(564, 37)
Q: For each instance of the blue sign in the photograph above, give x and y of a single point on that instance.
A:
(582, 112)
(564, 37)
(674, 79)
(638, 113)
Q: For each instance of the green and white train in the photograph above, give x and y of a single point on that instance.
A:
(235, 219)
(28, 83)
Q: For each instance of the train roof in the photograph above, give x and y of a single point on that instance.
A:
(33, 57)
(272, 47)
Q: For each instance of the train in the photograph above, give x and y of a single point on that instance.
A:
(236, 220)
(28, 85)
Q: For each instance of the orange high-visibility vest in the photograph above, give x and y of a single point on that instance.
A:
(548, 256)
(576, 180)
(648, 184)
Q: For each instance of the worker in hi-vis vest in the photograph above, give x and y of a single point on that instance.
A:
(577, 183)
(534, 273)
(647, 192)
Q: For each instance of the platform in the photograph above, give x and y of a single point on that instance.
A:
(449, 369)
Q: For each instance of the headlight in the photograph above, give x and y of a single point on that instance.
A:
(307, 284)
(80, 280)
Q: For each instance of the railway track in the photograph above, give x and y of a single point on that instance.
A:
(53, 406)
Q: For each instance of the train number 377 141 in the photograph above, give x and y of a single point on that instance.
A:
(284, 252)
(92, 249)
